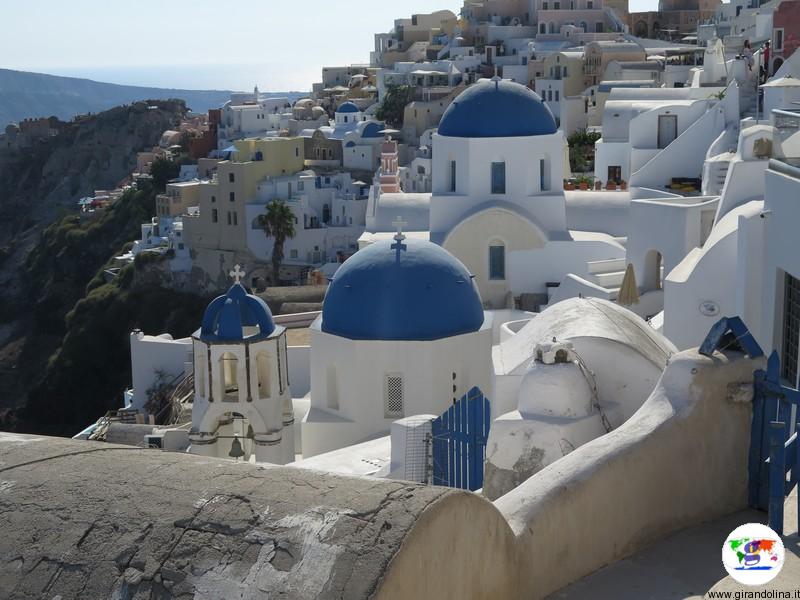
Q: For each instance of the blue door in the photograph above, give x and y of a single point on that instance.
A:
(459, 442)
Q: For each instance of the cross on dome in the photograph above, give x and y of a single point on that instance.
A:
(237, 274)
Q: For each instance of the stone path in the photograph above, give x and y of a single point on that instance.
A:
(686, 565)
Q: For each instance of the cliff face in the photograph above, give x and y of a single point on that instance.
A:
(49, 255)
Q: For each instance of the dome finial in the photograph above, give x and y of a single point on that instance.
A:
(237, 274)
(399, 224)
(399, 236)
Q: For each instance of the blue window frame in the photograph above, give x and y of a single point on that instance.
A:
(498, 178)
(497, 262)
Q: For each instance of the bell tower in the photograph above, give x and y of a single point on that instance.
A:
(242, 401)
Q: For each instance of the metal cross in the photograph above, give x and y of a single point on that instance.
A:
(237, 274)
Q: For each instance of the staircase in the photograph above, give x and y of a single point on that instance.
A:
(715, 173)
(608, 274)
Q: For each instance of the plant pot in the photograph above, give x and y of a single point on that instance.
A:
(584, 186)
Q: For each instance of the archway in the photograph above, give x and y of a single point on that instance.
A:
(641, 29)
(229, 369)
(653, 271)
(264, 375)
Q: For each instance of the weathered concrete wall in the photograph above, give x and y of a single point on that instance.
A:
(680, 460)
(93, 520)
(99, 521)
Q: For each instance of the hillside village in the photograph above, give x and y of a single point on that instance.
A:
(553, 243)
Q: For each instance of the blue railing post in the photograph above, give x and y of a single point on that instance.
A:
(777, 475)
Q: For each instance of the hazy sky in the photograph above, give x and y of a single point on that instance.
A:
(279, 45)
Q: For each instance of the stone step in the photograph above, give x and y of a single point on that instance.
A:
(609, 279)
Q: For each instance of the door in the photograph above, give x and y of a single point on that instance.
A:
(615, 174)
(667, 130)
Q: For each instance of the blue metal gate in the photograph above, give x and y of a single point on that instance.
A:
(773, 452)
(459, 442)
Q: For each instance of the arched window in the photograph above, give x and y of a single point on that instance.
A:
(264, 379)
(497, 260)
(200, 375)
(542, 27)
(230, 377)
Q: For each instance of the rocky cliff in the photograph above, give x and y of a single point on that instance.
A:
(51, 261)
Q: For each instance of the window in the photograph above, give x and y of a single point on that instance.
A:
(213, 199)
(498, 178)
(180, 246)
(393, 397)
(556, 95)
(452, 176)
(293, 253)
(778, 37)
(214, 215)
(497, 262)
(590, 5)
(231, 178)
(297, 152)
(544, 176)
(232, 197)
(230, 218)
(791, 329)
(235, 218)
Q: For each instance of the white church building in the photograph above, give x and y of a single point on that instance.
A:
(402, 333)
(498, 203)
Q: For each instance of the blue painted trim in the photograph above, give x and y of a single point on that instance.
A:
(777, 475)
(727, 331)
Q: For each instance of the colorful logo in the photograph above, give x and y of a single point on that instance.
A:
(753, 554)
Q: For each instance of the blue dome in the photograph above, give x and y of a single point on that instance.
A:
(228, 315)
(347, 107)
(372, 130)
(416, 292)
(497, 108)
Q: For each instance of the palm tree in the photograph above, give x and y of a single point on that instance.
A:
(278, 224)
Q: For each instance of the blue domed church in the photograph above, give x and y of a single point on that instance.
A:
(498, 168)
(402, 332)
(242, 401)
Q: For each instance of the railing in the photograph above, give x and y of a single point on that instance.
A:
(786, 119)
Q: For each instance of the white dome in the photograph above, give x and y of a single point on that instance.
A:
(557, 390)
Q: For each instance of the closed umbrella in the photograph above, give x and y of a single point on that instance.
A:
(628, 292)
